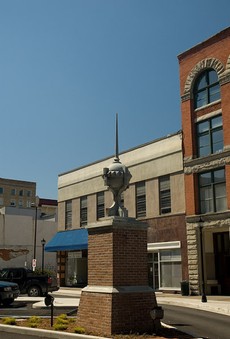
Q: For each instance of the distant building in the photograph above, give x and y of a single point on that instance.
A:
(20, 211)
(17, 237)
(205, 97)
(155, 195)
(48, 208)
(17, 193)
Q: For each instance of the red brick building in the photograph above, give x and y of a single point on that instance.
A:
(205, 106)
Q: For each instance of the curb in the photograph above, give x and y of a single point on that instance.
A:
(46, 334)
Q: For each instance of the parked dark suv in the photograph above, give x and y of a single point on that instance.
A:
(28, 281)
(8, 292)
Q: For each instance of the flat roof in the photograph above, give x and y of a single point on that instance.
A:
(126, 151)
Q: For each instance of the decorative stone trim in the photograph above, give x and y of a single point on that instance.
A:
(207, 165)
(225, 78)
(193, 267)
(208, 218)
(212, 220)
(185, 97)
(203, 64)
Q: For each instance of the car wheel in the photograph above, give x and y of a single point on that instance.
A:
(34, 291)
(7, 302)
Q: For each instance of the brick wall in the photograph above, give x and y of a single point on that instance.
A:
(116, 313)
(127, 267)
(117, 298)
(216, 48)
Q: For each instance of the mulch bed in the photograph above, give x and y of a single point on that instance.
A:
(163, 333)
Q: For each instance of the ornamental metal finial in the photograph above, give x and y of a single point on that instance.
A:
(116, 146)
(117, 177)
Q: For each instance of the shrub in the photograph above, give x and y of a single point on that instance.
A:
(79, 330)
(34, 321)
(72, 320)
(60, 327)
(62, 316)
(62, 319)
(33, 325)
(9, 321)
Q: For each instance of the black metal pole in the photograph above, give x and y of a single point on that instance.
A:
(35, 232)
(43, 250)
(203, 295)
(52, 314)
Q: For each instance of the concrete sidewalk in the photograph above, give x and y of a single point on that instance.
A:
(66, 297)
(216, 304)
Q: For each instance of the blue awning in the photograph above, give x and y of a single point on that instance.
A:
(68, 241)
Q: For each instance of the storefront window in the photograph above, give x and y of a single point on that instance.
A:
(165, 269)
(76, 269)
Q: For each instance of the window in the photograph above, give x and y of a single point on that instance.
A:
(206, 89)
(212, 189)
(83, 211)
(1, 190)
(21, 193)
(29, 193)
(165, 194)
(100, 205)
(140, 199)
(165, 269)
(1, 201)
(170, 268)
(210, 136)
(68, 214)
(12, 202)
(13, 191)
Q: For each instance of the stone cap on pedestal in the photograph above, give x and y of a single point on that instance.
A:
(118, 289)
(116, 222)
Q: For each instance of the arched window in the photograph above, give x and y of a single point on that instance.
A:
(206, 88)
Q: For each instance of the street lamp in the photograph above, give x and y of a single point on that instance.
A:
(43, 242)
(203, 295)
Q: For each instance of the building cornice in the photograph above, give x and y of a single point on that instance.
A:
(206, 163)
(209, 217)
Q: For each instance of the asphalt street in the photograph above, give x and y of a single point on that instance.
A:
(197, 323)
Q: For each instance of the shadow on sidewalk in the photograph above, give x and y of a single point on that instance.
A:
(173, 333)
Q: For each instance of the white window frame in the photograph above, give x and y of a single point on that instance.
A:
(157, 248)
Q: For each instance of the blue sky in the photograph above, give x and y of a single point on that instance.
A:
(67, 67)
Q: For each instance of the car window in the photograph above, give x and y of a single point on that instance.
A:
(3, 274)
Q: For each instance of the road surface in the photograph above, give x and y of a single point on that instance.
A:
(198, 323)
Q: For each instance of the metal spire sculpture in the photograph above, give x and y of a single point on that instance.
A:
(116, 178)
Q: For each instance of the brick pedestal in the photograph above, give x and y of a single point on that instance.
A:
(117, 298)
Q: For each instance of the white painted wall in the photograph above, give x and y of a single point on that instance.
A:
(17, 241)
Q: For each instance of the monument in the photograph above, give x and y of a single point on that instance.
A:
(117, 298)
(116, 178)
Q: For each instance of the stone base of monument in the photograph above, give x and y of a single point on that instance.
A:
(118, 298)
(106, 311)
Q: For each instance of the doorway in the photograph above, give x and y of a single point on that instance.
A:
(222, 260)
